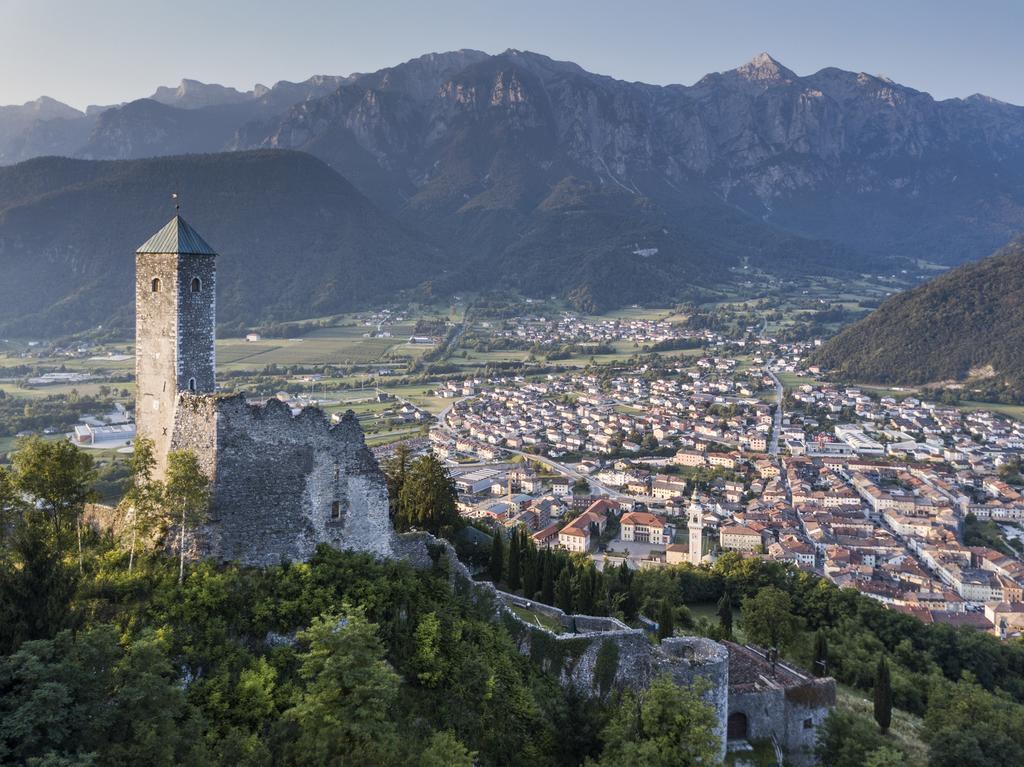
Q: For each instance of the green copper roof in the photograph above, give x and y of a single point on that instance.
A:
(177, 237)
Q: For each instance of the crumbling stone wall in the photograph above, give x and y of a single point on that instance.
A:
(779, 701)
(703, 662)
(196, 322)
(282, 485)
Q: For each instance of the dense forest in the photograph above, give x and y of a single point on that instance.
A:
(114, 651)
(967, 323)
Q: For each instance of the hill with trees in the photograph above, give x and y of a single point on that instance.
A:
(295, 239)
(964, 325)
(112, 652)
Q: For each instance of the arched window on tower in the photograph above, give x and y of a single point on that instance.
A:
(197, 284)
(192, 384)
(155, 285)
(336, 510)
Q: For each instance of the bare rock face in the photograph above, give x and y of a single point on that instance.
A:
(822, 154)
(192, 94)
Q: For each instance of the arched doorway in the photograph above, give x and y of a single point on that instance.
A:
(737, 726)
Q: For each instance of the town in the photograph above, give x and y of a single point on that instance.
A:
(905, 500)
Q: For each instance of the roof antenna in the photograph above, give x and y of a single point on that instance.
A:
(177, 203)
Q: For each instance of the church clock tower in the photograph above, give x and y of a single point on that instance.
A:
(175, 309)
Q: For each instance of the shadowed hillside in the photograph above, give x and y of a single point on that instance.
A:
(967, 323)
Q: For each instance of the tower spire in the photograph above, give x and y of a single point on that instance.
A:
(177, 203)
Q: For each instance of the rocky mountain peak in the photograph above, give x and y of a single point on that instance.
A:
(193, 94)
(43, 108)
(764, 69)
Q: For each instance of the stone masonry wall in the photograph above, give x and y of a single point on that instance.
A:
(196, 323)
(282, 485)
(156, 333)
(596, 654)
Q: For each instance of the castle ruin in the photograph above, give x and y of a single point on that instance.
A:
(283, 484)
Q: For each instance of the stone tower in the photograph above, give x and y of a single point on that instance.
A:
(695, 524)
(175, 307)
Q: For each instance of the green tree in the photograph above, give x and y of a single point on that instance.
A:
(10, 506)
(585, 585)
(967, 727)
(142, 503)
(445, 750)
(396, 469)
(344, 710)
(883, 696)
(768, 618)
(663, 726)
(186, 498)
(496, 566)
(59, 476)
(846, 739)
(820, 665)
(36, 587)
(427, 657)
(531, 576)
(84, 699)
(666, 620)
(547, 588)
(563, 590)
(428, 498)
(724, 609)
(514, 562)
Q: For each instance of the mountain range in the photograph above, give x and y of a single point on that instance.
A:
(522, 171)
(964, 325)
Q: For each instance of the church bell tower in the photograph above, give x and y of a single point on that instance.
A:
(695, 525)
(175, 310)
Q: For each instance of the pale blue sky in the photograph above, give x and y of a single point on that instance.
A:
(107, 51)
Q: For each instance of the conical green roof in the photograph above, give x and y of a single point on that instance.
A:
(179, 238)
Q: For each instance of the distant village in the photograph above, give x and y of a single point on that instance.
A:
(873, 493)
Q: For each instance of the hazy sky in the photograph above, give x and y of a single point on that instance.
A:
(108, 51)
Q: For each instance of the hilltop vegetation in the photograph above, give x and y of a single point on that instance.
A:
(341, 660)
(966, 324)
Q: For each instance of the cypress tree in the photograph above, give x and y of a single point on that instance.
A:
(585, 592)
(628, 603)
(563, 591)
(666, 620)
(547, 589)
(820, 653)
(883, 696)
(497, 556)
(725, 614)
(514, 569)
(530, 579)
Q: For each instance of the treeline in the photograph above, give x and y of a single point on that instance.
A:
(61, 411)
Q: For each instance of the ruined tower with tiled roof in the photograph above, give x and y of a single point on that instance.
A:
(175, 309)
(282, 483)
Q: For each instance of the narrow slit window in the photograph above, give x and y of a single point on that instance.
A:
(155, 285)
(197, 284)
(192, 384)
(336, 510)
